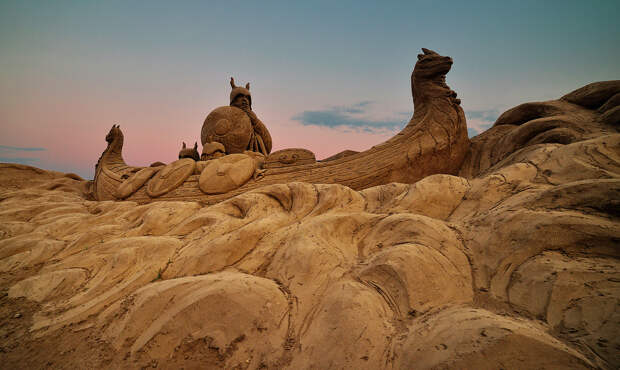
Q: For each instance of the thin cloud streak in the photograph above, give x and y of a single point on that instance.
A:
(484, 115)
(17, 148)
(354, 117)
(20, 160)
(479, 121)
(11, 154)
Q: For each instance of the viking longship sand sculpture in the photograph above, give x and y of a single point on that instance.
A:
(236, 151)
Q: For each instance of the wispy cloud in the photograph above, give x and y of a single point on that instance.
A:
(15, 154)
(21, 149)
(358, 116)
(20, 160)
(356, 108)
(485, 115)
(479, 121)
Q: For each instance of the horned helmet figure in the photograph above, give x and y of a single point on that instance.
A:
(238, 90)
(189, 153)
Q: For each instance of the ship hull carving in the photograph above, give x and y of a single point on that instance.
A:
(434, 141)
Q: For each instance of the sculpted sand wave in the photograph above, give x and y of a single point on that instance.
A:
(513, 264)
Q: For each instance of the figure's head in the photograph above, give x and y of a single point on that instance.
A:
(240, 96)
(192, 153)
(430, 64)
(212, 150)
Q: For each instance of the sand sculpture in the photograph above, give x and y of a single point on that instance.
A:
(434, 141)
(512, 262)
(212, 150)
(237, 127)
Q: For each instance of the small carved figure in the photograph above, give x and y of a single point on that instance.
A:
(189, 153)
(236, 126)
(260, 140)
(212, 150)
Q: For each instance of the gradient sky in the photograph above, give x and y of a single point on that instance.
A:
(325, 75)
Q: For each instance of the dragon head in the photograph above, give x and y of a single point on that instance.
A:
(111, 134)
(114, 133)
(430, 65)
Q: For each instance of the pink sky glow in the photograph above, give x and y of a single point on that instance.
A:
(325, 75)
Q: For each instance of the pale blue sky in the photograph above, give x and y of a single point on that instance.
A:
(70, 69)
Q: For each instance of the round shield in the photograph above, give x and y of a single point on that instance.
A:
(227, 173)
(133, 183)
(170, 177)
(227, 125)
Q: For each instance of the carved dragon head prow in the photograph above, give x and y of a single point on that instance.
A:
(114, 133)
(429, 76)
(115, 139)
(114, 150)
(431, 65)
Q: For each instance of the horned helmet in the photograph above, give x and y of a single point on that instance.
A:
(238, 90)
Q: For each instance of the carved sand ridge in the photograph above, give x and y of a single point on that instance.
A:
(512, 264)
